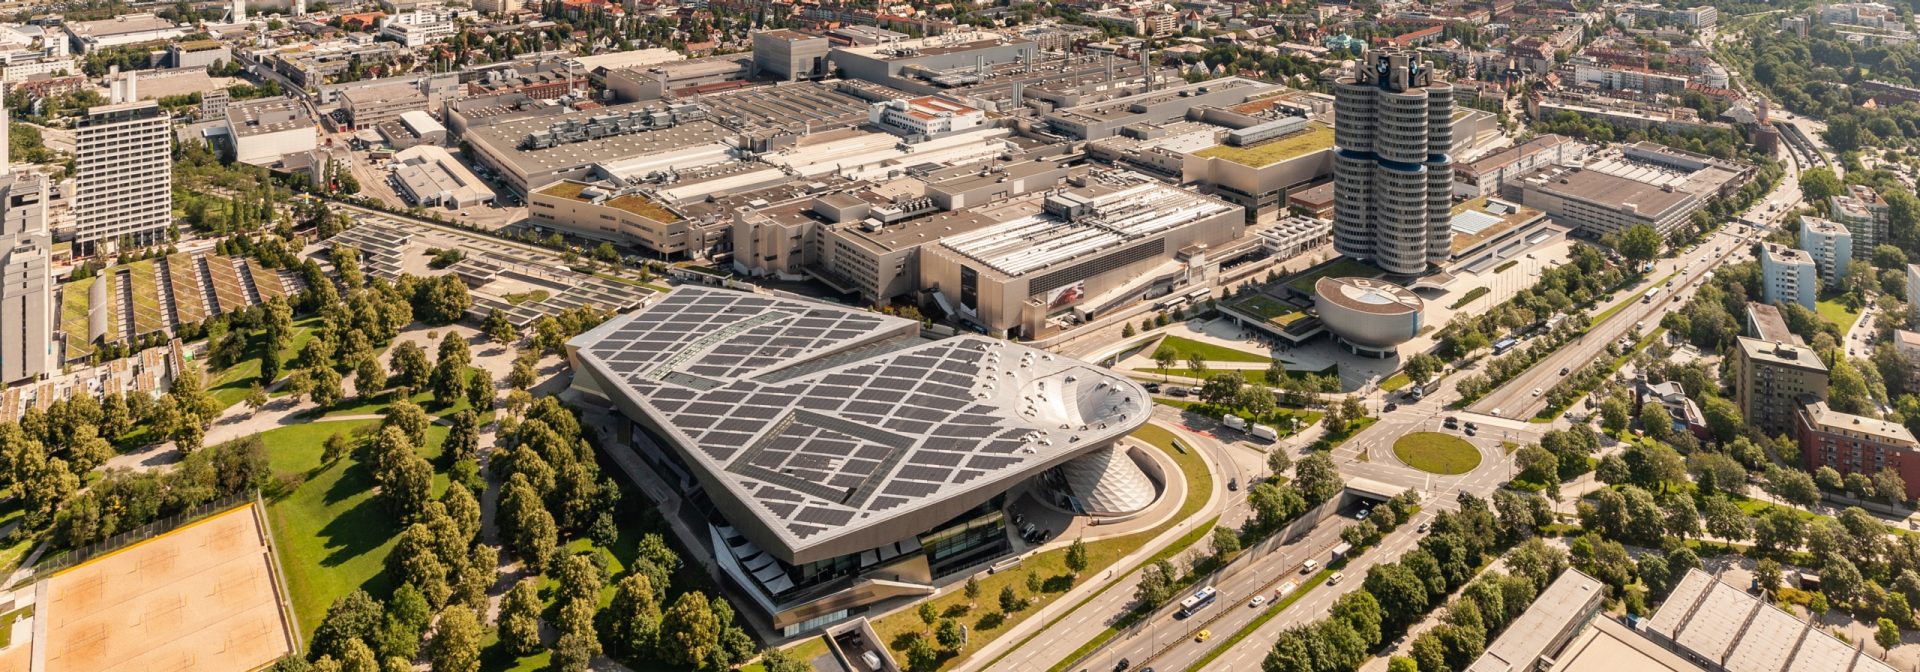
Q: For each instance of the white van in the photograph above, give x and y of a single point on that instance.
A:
(1309, 566)
(1336, 578)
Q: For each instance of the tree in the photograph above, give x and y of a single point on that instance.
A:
(520, 617)
(1076, 557)
(1819, 184)
(1887, 635)
(1317, 478)
(1164, 358)
(498, 327)
(1640, 244)
(334, 448)
(409, 365)
(972, 589)
(779, 660)
(1422, 367)
(1766, 573)
(1725, 520)
(410, 419)
(1402, 664)
(1402, 595)
(1278, 461)
(1656, 421)
(479, 390)
(1126, 331)
(449, 381)
(928, 613)
(1226, 542)
(369, 378)
(921, 656)
(456, 641)
(949, 634)
(689, 633)
(256, 397)
(1156, 584)
(1198, 363)
(1010, 601)
(355, 616)
(1793, 485)
(528, 526)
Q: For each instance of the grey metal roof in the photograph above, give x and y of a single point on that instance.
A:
(824, 420)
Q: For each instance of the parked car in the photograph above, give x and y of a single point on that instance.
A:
(1257, 601)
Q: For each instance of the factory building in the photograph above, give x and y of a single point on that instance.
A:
(1050, 261)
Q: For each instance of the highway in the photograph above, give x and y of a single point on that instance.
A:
(1516, 399)
(1278, 562)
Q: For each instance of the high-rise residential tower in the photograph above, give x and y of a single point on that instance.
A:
(26, 299)
(1393, 126)
(123, 178)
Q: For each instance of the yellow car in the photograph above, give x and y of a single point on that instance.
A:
(1203, 636)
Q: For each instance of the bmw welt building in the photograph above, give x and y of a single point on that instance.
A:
(839, 457)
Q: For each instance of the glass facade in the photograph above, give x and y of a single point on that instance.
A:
(972, 538)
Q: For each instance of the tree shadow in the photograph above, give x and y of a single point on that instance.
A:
(956, 611)
(1057, 584)
(355, 532)
(990, 620)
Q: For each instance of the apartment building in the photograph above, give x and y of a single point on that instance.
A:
(1854, 444)
(1830, 244)
(1864, 213)
(123, 176)
(1772, 379)
(1788, 275)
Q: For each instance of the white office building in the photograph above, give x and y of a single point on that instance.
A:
(123, 176)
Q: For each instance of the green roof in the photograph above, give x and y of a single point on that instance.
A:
(1316, 137)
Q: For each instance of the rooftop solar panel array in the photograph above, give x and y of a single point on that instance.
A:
(868, 426)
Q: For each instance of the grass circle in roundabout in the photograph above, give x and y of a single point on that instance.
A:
(1437, 453)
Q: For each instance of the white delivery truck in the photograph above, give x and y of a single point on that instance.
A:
(1264, 432)
(1235, 422)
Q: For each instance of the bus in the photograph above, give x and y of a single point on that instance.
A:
(1197, 601)
(1503, 345)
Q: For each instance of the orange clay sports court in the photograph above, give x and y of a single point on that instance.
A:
(203, 597)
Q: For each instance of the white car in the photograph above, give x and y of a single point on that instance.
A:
(1536, 391)
(1256, 601)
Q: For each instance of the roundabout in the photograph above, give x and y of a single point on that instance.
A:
(1437, 453)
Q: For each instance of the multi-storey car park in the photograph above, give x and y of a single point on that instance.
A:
(840, 458)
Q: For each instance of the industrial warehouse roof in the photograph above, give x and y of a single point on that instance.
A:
(1075, 224)
(1368, 295)
(827, 423)
(1738, 632)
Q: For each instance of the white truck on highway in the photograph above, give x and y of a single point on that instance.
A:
(1264, 432)
(1235, 422)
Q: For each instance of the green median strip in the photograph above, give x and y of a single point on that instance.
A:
(1260, 620)
(1602, 317)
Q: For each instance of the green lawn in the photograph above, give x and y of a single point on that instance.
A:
(518, 298)
(1184, 347)
(359, 405)
(1051, 566)
(333, 535)
(1268, 309)
(230, 385)
(1437, 453)
(1836, 311)
(1394, 382)
(1251, 375)
(1279, 419)
(73, 316)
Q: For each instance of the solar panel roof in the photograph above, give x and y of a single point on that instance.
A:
(827, 422)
